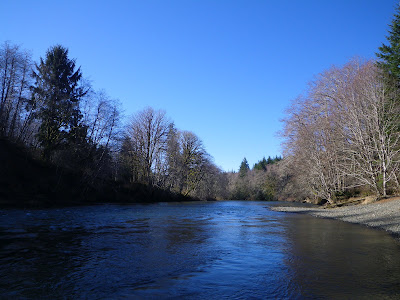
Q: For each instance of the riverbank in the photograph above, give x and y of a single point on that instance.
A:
(29, 182)
(384, 214)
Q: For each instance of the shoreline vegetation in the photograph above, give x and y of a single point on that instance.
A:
(63, 143)
(383, 214)
(29, 182)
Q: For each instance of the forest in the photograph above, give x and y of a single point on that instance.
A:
(53, 113)
(83, 143)
(61, 138)
(341, 138)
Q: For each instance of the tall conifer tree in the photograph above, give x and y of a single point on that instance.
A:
(244, 168)
(389, 54)
(56, 96)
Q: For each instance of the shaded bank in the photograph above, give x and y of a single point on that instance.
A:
(29, 182)
(384, 214)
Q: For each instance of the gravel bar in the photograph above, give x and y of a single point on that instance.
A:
(383, 214)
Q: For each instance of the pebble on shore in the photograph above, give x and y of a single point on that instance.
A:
(383, 214)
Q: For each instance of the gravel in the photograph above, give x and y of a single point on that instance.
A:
(382, 214)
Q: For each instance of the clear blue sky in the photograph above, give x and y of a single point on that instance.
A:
(224, 69)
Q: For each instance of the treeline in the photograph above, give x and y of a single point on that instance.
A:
(51, 110)
(342, 137)
(265, 181)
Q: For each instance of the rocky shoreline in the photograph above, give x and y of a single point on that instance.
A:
(384, 214)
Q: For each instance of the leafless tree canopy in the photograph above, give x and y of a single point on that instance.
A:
(343, 134)
(158, 154)
(147, 134)
(15, 80)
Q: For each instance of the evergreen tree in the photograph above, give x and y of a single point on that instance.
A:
(244, 168)
(55, 99)
(389, 55)
(261, 165)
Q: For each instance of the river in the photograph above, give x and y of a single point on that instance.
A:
(197, 250)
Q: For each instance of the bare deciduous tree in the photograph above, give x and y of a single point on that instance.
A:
(102, 117)
(370, 120)
(15, 68)
(148, 131)
(174, 173)
(344, 133)
(194, 160)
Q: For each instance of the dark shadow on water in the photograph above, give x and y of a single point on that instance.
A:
(333, 259)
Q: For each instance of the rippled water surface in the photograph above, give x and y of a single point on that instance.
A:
(213, 250)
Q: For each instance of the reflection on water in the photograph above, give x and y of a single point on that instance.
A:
(357, 261)
(193, 250)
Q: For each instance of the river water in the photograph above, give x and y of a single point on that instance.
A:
(199, 250)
